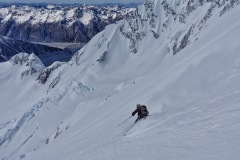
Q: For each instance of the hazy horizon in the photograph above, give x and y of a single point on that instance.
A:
(74, 1)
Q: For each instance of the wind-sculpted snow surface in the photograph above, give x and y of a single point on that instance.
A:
(9, 135)
(179, 58)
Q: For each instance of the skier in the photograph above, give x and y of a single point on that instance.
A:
(142, 112)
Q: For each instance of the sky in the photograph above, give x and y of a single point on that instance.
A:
(76, 1)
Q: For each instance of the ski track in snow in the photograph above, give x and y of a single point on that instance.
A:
(165, 129)
(190, 85)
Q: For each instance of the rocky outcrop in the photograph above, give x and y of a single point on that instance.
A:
(156, 17)
(31, 64)
(43, 76)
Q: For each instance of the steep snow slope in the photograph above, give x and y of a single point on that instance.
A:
(18, 88)
(186, 70)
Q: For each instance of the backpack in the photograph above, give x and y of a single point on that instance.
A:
(143, 110)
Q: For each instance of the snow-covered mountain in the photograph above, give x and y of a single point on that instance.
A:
(10, 47)
(56, 23)
(180, 58)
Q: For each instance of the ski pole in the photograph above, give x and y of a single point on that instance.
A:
(124, 121)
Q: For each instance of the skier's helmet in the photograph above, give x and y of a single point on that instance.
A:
(138, 105)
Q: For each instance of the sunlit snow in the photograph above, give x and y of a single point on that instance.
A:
(179, 59)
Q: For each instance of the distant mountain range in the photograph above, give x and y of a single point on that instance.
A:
(133, 5)
(74, 4)
(40, 22)
(21, 23)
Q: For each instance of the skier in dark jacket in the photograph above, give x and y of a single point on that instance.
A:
(142, 112)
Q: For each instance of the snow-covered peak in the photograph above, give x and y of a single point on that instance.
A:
(35, 63)
(50, 6)
(19, 58)
(30, 64)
